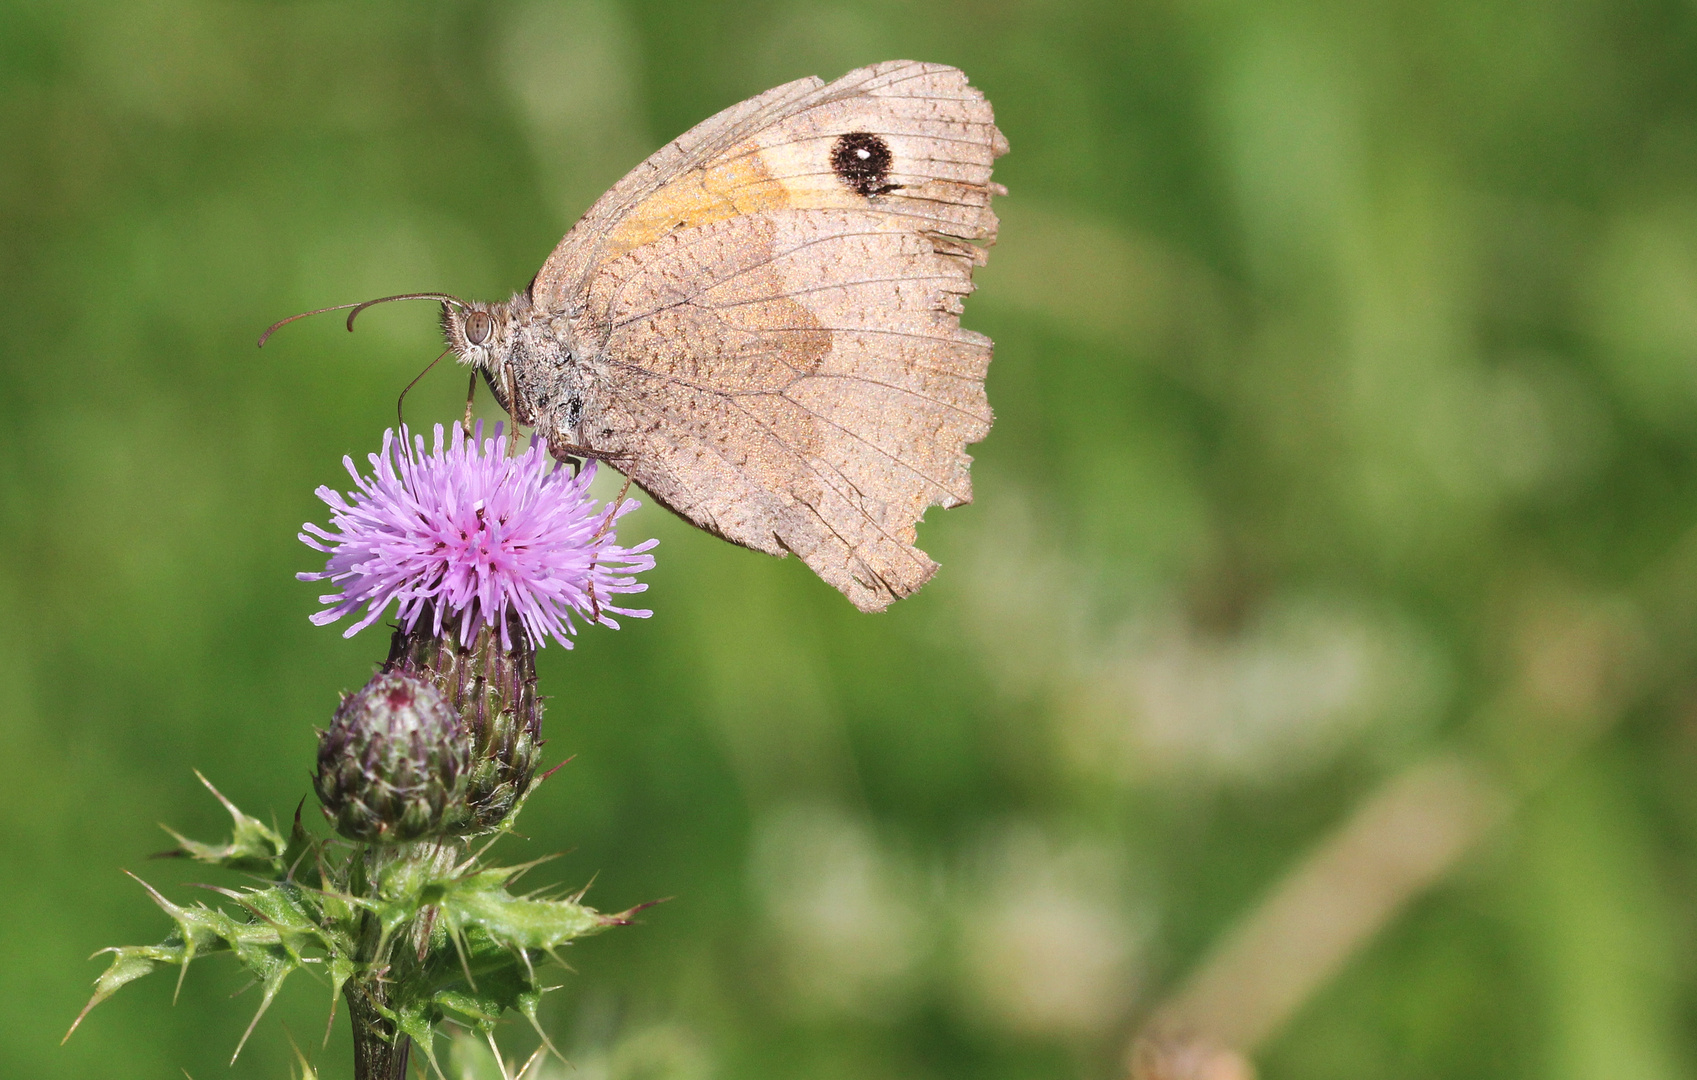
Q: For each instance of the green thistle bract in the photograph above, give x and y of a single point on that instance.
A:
(493, 687)
(392, 763)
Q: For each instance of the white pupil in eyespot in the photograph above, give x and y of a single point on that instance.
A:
(863, 153)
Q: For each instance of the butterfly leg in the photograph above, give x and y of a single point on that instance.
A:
(470, 396)
(606, 527)
(513, 412)
(566, 451)
(612, 513)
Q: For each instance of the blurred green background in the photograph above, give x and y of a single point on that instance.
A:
(1346, 382)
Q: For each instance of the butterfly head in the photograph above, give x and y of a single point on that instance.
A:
(488, 338)
(480, 334)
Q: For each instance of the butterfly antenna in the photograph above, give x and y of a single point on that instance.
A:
(441, 297)
(357, 308)
(400, 401)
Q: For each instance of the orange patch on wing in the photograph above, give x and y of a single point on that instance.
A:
(737, 185)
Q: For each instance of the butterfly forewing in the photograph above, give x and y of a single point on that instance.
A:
(769, 310)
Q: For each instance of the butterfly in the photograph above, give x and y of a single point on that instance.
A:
(760, 324)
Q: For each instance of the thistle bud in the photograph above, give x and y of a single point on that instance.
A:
(392, 764)
(493, 688)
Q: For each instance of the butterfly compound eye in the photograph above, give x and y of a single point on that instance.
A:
(477, 327)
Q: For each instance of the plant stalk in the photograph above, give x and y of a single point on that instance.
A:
(380, 1053)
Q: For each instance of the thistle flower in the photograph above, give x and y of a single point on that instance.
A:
(467, 536)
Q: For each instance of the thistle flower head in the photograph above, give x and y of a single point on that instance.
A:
(466, 534)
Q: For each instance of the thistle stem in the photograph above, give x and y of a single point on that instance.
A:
(380, 1053)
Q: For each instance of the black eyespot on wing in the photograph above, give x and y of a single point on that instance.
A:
(862, 161)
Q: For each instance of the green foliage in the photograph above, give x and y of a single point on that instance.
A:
(425, 930)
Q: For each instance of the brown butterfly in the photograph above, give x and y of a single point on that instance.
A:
(760, 325)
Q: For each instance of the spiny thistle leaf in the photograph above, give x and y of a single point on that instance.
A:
(528, 1006)
(486, 945)
(272, 982)
(419, 932)
(517, 922)
(129, 963)
(269, 942)
(285, 909)
(307, 1072)
(339, 969)
(254, 846)
(303, 857)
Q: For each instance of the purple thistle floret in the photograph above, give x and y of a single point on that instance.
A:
(467, 533)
